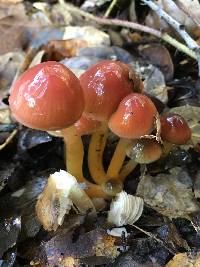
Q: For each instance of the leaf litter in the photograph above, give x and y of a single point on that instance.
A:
(167, 231)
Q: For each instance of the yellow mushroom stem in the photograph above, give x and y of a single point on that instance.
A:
(118, 158)
(74, 161)
(95, 154)
(127, 169)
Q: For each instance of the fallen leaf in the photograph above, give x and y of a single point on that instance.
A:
(91, 35)
(9, 64)
(60, 49)
(10, 228)
(185, 260)
(159, 56)
(170, 194)
(12, 28)
(61, 249)
(154, 81)
(143, 252)
(30, 138)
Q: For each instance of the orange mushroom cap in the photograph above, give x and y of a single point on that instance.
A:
(144, 150)
(87, 125)
(134, 117)
(104, 85)
(47, 96)
(175, 129)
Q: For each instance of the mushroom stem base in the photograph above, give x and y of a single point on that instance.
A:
(74, 161)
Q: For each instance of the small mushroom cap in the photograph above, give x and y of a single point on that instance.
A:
(47, 96)
(134, 117)
(175, 129)
(105, 84)
(87, 125)
(144, 151)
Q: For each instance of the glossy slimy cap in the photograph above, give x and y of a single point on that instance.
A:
(144, 150)
(104, 85)
(47, 96)
(175, 129)
(134, 117)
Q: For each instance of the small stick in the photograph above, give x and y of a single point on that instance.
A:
(110, 8)
(155, 238)
(9, 139)
(177, 26)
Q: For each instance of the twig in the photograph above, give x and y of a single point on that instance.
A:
(155, 238)
(188, 12)
(132, 25)
(8, 140)
(177, 26)
(110, 8)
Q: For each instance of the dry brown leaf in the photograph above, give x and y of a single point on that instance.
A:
(185, 260)
(159, 56)
(12, 25)
(60, 49)
(170, 194)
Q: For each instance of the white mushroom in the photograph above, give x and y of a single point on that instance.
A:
(125, 209)
(59, 195)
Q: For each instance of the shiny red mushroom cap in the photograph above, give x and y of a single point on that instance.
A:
(175, 129)
(104, 85)
(47, 96)
(134, 117)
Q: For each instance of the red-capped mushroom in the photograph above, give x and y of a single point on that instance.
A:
(104, 85)
(86, 126)
(144, 150)
(134, 118)
(48, 97)
(45, 95)
(174, 129)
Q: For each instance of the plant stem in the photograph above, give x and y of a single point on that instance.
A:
(110, 8)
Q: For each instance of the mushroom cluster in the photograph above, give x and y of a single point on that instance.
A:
(107, 97)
